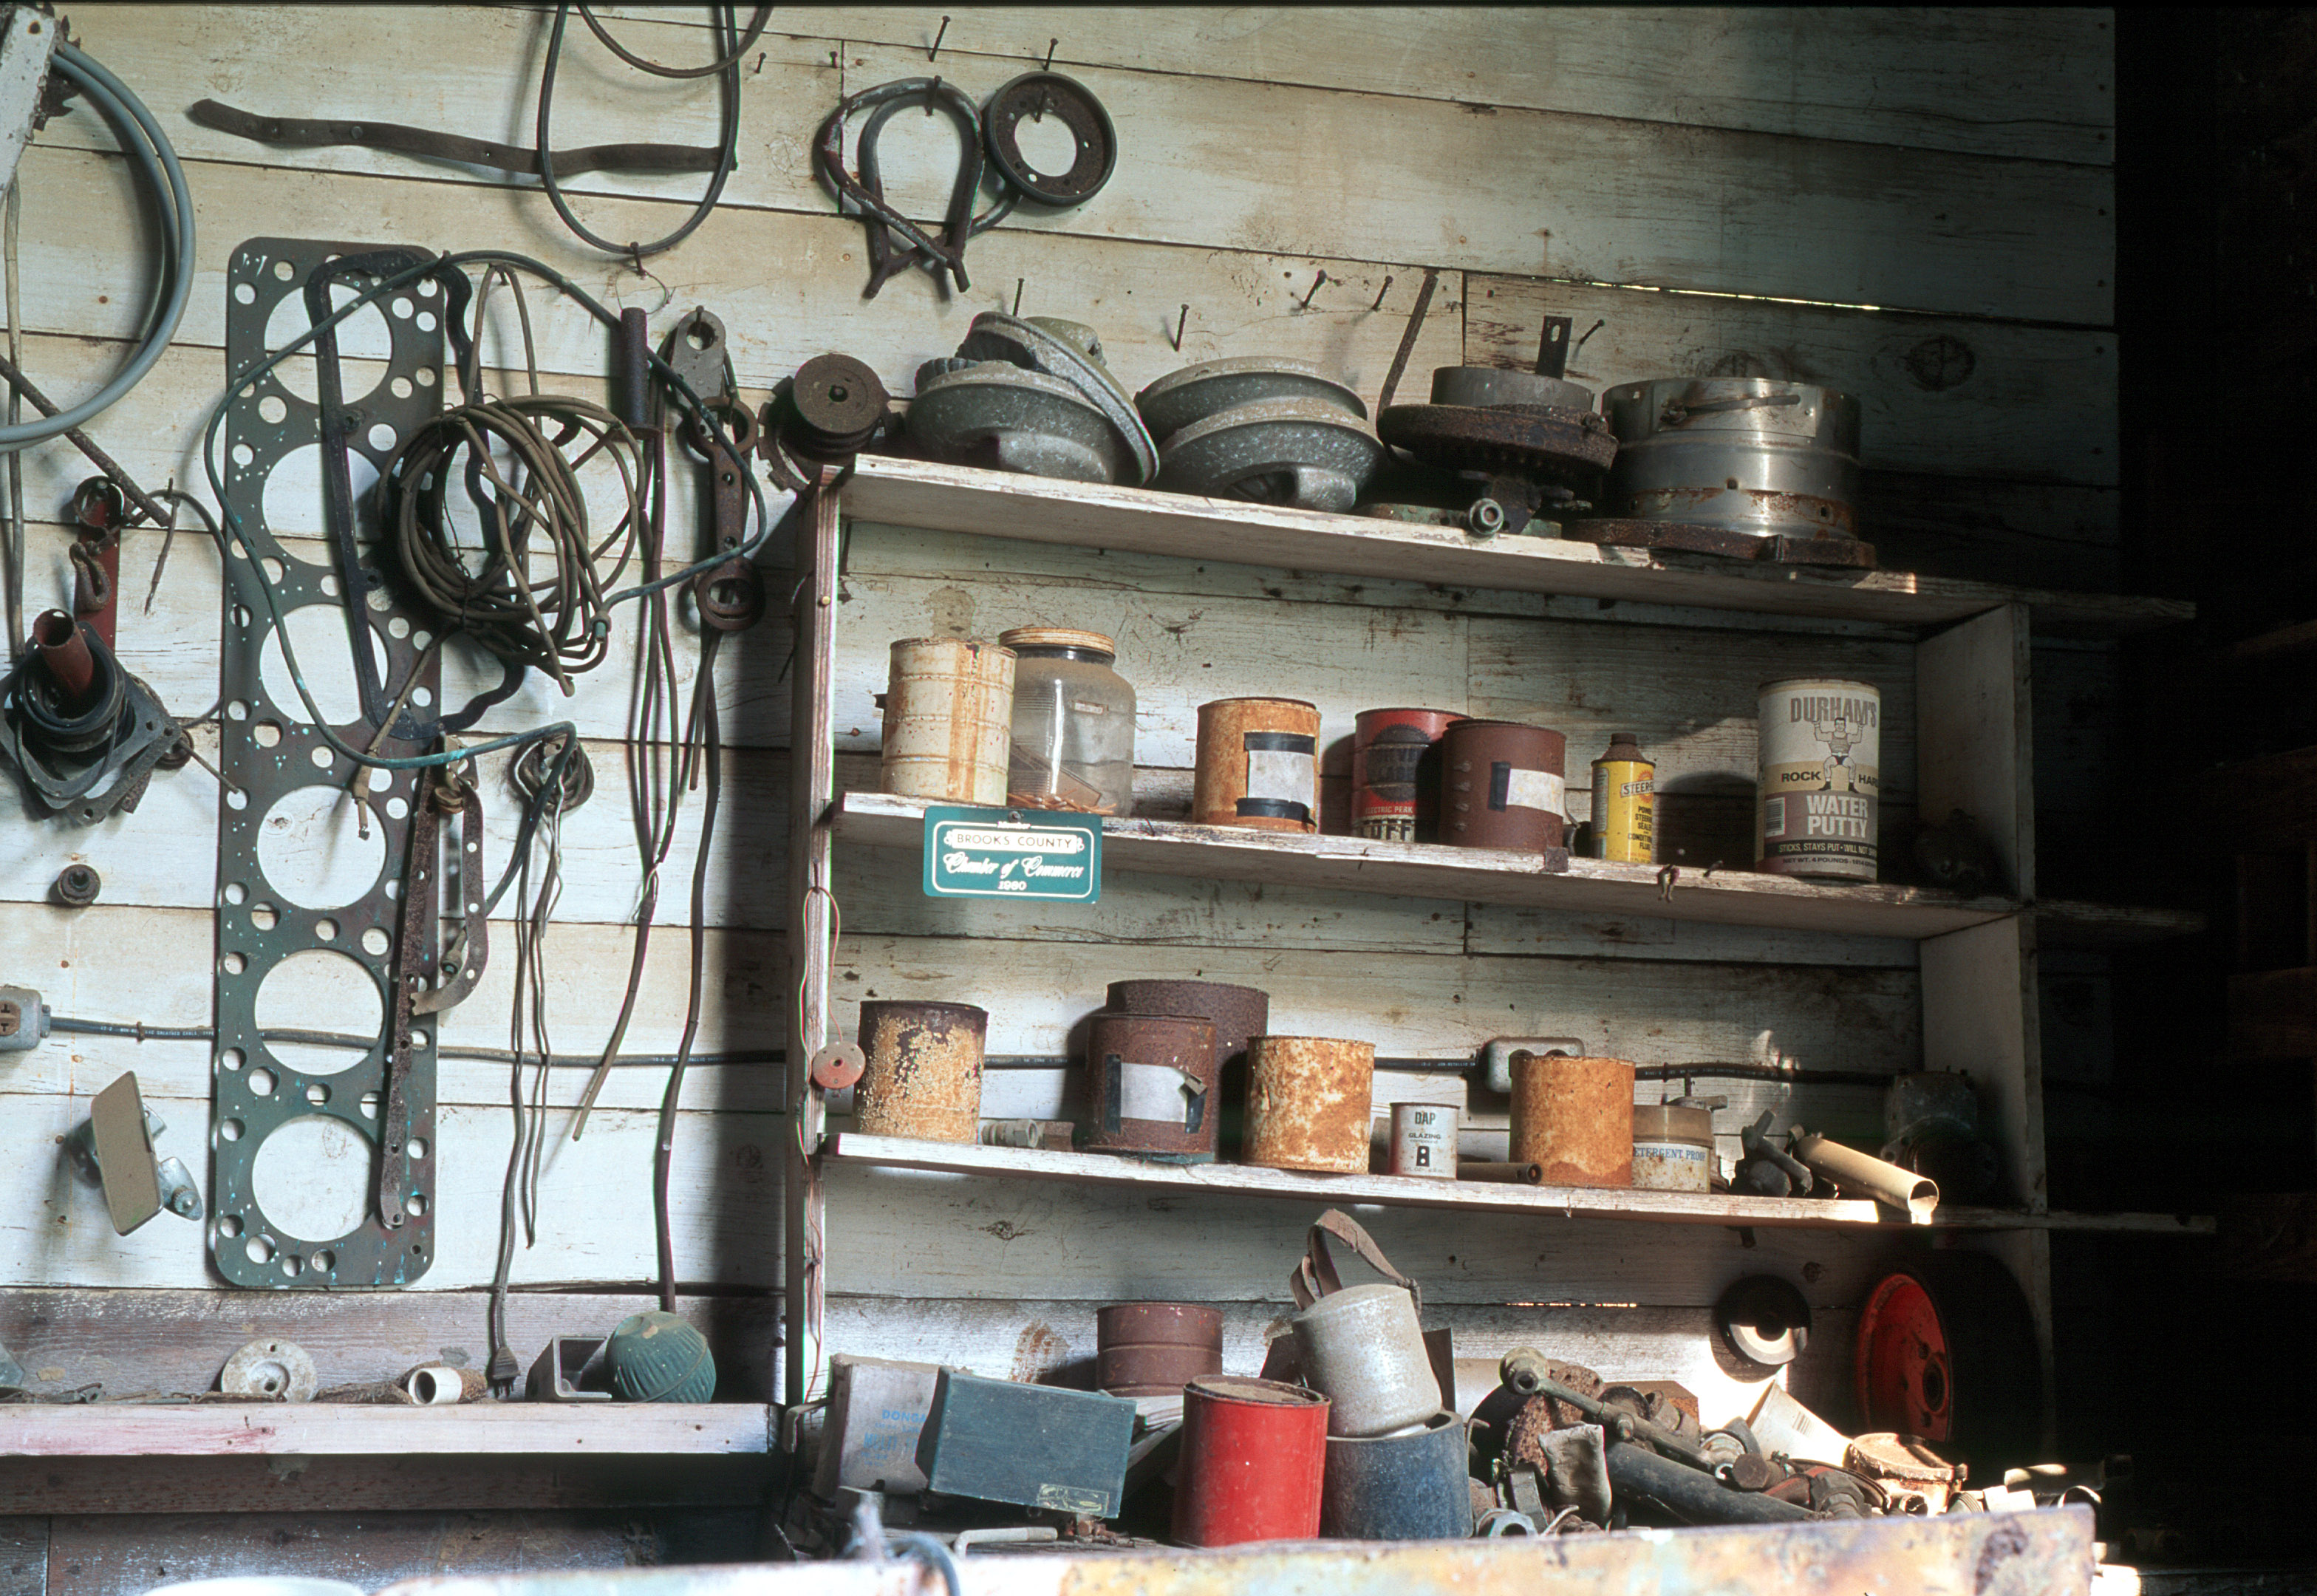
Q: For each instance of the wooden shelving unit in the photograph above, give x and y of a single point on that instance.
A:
(594, 1429)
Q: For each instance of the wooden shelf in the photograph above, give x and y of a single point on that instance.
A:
(898, 492)
(1665, 1207)
(572, 1429)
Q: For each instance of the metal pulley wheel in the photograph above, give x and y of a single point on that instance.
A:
(1765, 1320)
(1070, 353)
(1049, 93)
(993, 414)
(1262, 428)
(1537, 459)
(1945, 1350)
(1197, 392)
(1490, 387)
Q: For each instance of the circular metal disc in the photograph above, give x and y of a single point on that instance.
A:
(1049, 94)
(998, 337)
(1181, 398)
(271, 1368)
(1765, 1319)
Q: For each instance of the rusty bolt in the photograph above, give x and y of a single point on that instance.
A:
(76, 886)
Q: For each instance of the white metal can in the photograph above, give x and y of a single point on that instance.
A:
(1424, 1140)
(949, 711)
(1819, 800)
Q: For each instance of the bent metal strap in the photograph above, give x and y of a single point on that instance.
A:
(292, 133)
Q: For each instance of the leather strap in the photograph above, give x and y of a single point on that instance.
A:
(292, 133)
(1315, 1276)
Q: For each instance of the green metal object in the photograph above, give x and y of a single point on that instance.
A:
(657, 1356)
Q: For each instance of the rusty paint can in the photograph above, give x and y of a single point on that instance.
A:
(1151, 1086)
(1156, 1348)
(1409, 1485)
(1259, 765)
(1501, 785)
(1625, 803)
(1424, 1140)
(922, 1076)
(949, 716)
(1673, 1146)
(1821, 792)
(1240, 1014)
(1396, 773)
(1253, 1455)
(1363, 1348)
(1574, 1117)
(1307, 1103)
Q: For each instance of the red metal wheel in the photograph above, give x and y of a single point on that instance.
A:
(1946, 1351)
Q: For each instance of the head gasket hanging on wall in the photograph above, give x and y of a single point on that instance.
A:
(342, 945)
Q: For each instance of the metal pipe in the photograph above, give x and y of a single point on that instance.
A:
(1693, 1497)
(1858, 1171)
(64, 650)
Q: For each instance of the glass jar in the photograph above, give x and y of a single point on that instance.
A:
(1073, 738)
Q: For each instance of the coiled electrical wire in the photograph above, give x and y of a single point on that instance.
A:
(156, 162)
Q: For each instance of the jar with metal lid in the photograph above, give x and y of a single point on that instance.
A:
(1073, 738)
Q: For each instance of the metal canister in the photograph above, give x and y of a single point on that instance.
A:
(1406, 1486)
(1424, 1139)
(1624, 802)
(949, 714)
(1307, 1103)
(1363, 1349)
(1819, 798)
(1259, 765)
(1151, 1086)
(1756, 456)
(1673, 1145)
(1396, 773)
(1254, 1454)
(1239, 1013)
(922, 1074)
(1574, 1117)
(1501, 785)
(1156, 1348)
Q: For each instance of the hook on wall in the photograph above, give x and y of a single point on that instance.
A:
(1380, 293)
(938, 37)
(1181, 322)
(1318, 283)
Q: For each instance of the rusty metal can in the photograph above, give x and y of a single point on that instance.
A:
(1501, 785)
(949, 714)
(922, 1076)
(1239, 1013)
(1307, 1103)
(1624, 802)
(1150, 1088)
(1673, 1146)
(1259, 765)
(1574, 1117)
(1254, 1454)
(1156, 1348)
(1819, 796)
(1424, 1139)
(1396, 773)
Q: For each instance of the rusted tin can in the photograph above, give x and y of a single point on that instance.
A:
(1424, 1140)
(1819, 796)
(1625, 803)
(1396, 773)
(1150, 1088)
(1259, 765)
(1574, 1117)
(1673, 1146)
(1406, 1486)
(1363, 1349)
(949, 713)
(923, 1078)
(1253, 1459)
(1239, 1013)
(1156, 1348)
(1502, 785)
(1307, 1103)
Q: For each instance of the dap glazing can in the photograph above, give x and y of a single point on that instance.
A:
(1821, 779)
(1624, 802)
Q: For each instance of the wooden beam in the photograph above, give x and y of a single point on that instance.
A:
(286, 1430)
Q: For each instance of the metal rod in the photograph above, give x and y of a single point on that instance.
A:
(1380, 293)
(1317, 284)
(937, 39)
(1181, 322)
(1407, 338)
(1018, 296)
(65, 653)
(81, 441)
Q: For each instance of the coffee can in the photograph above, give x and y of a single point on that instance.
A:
(1424, 1140)
(1624, 802)
(1259, 765)
(1821, 788)
(1502, 785)
(1396, 773)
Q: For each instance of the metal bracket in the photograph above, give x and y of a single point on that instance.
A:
(113, 1147)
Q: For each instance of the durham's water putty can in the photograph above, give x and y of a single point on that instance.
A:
(1821, 779)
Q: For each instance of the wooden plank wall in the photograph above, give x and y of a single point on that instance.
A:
(1913, 204)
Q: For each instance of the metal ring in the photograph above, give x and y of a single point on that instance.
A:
(1035, 93)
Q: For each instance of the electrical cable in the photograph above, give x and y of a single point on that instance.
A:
(148, 148)
(16, 536)
(764, 14)
(69, 1024)
(703, 738)
(725, 25)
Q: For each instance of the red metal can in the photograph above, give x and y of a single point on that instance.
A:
(1255, 1454)
(1502, 785)
(1396, 773)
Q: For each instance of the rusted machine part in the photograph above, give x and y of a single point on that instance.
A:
(1150, 1086)
(1068, 350)
(1007, 419)
(1069, 101)
(1396, 776)
(1484, 518)
(949, 709)
(1502, 786)
(65, 651)
(1945, 1350)
(1490, 387)
(100, 512)
(1574, 1117)
(76, 886)
(1156, 1348)
(1303, 453)
(1211, 387)
(1526, 1429)
(73, 720)
(1693, 538)
(1307, 1103)
(1756, 456)
(1914, 1478)
(923, 1074)
(833, 407)
(1687, 1495)
(1257, 765)
(1862, 1174)
(1538, 459)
